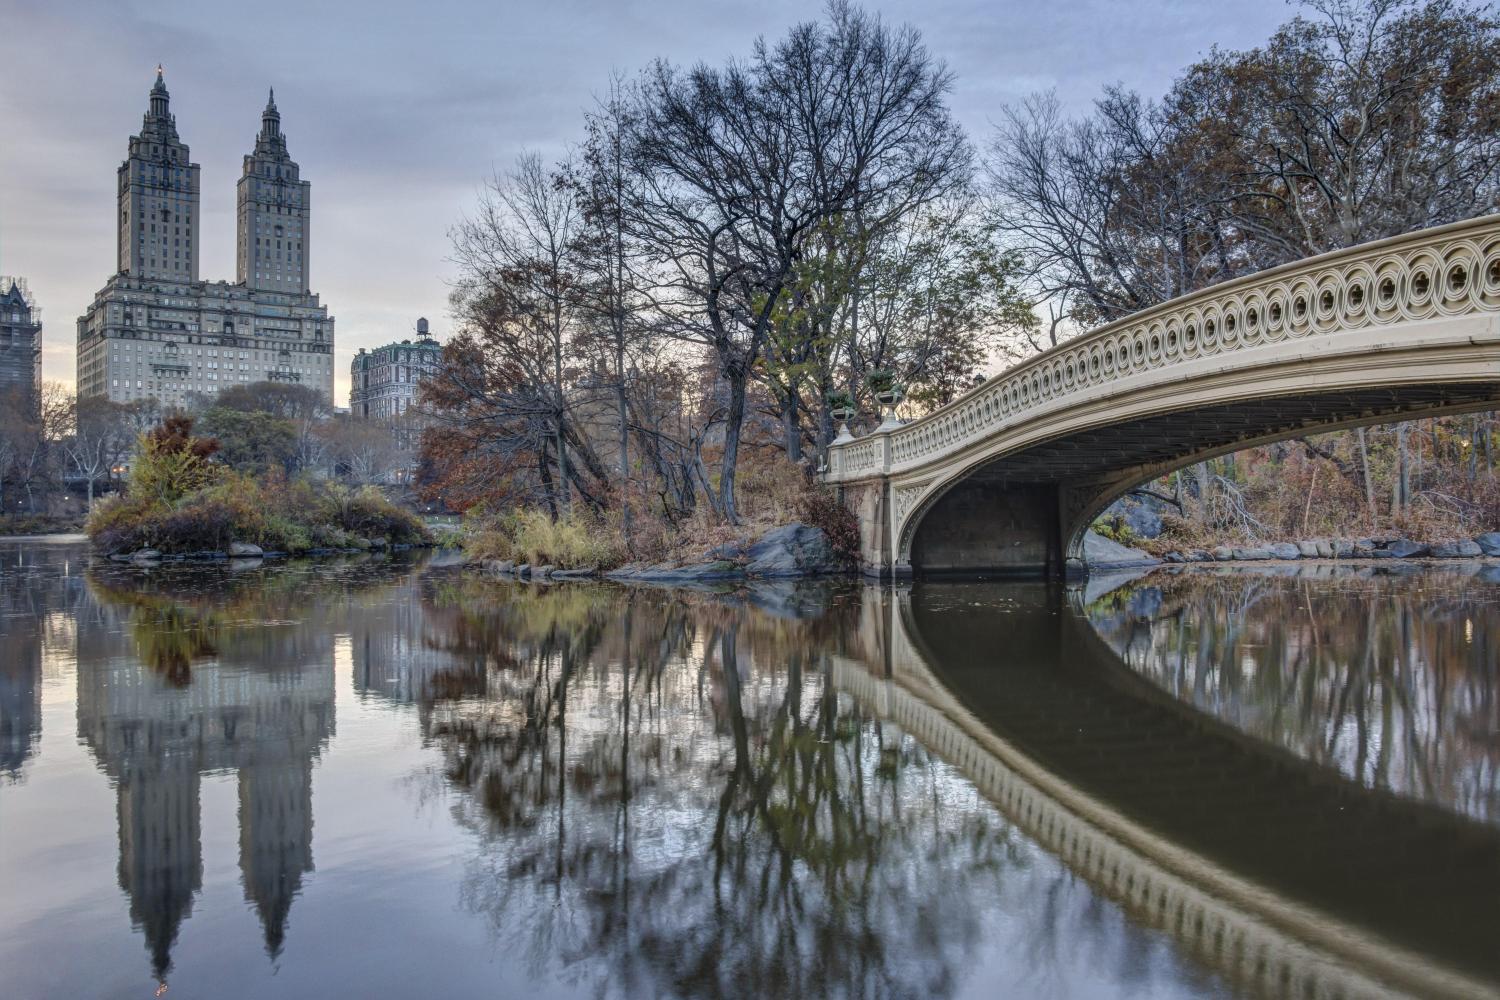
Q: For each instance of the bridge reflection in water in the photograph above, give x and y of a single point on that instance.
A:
(1287, 877)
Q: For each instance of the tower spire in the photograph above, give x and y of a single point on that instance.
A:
(270, 120)
(159, 96)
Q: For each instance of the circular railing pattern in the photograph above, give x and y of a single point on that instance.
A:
(1448, 271)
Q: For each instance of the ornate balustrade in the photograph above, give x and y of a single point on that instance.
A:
(1435, 273)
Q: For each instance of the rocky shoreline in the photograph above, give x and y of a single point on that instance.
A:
(245, 550)
(1487, 544)
(787, 552)
(800, 551)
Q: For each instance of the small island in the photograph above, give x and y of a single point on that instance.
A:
(179, 502)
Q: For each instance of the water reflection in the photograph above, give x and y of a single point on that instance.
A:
(799, 790)
(217, 675)
(39, 584)
(1393, 680)
(676, 790)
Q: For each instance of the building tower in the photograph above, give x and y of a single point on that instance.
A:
(158, 195)
(156, 333)
(273, 205)
(20, 340)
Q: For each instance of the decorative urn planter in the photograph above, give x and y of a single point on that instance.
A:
(882, 384)
(841, 408)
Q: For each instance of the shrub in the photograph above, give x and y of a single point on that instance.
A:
(170, 463)
(119, 524)
(821, 509)
(368, 514)
(1115, 529)
(576, 541)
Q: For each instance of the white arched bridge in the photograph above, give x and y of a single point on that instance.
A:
(1007, 478)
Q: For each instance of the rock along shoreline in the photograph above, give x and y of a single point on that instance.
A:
(240, 551)
(800, 551)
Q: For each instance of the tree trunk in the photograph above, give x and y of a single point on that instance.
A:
(544, 473)
(792, 427)
(1400, 482)
(1364, 461)
(562, 445)
(1205, 490)
(623, 407)
(1474, 450)
(733, 422)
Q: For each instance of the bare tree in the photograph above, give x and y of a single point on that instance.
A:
(516, 255)
(101, 439)
(738, 169)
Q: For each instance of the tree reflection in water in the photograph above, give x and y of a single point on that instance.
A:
(1388, 678)
(672, 786)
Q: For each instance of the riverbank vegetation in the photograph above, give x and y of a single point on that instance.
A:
(179, 499)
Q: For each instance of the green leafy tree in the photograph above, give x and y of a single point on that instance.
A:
(252, 441)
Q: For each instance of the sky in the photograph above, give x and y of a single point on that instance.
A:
(398, 112)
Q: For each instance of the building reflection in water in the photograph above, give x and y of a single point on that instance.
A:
(38, 584)
(195, 688)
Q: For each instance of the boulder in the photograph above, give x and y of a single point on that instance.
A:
(1405, 548)
(499, 567)
(145, 555)
(543, 571)
(245, 550)
(575, 574)
(1342, 548)
(1175, 557)
(1101, 551)
(1458, 548)
(1325, 548)
(523, 571)
(1288, 550)
(1363, 548)
(1198, 555)
(1248, 554)
(363, 544)
(1307, 549)
(1489, 543)
(1223, 553)
(791, 550)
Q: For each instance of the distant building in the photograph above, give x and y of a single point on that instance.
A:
(20, 337)
(383, 383)
(155, 329)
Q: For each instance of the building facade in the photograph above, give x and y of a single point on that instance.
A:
(20, 338)
(383, 383)
(155, 330)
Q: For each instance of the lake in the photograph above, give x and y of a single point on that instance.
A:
(383, 776)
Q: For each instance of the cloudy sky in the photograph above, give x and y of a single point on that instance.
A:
(397, 112)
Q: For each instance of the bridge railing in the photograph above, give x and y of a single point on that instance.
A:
(1445, 271)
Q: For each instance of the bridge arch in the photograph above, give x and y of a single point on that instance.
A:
(1006, 478)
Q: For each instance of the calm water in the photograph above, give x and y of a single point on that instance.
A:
(386, 778)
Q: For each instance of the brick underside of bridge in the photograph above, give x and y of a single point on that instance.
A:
(1019, 514)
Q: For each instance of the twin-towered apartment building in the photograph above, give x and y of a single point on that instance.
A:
(156, 329)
